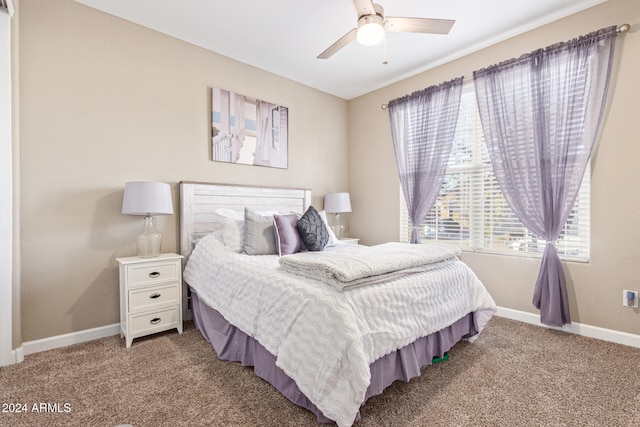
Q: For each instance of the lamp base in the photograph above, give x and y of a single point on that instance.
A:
(149, 240)
(338, 228)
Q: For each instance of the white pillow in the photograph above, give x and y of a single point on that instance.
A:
(224, 213)
(232, 228)
(333, 240)
(233, 235)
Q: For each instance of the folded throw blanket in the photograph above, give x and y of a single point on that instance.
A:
(359, 265)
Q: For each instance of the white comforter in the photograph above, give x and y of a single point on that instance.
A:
(323, 338)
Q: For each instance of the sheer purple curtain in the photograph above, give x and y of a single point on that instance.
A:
(541, 115)
(423, 125)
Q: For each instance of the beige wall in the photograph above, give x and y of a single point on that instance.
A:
(595, 288)
(104, 101)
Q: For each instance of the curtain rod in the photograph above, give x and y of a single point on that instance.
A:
(624, 28)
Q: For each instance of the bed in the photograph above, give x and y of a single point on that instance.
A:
(326, 348)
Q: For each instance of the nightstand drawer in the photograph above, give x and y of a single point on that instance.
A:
(159, 320)
(146, 274)
(148, 298)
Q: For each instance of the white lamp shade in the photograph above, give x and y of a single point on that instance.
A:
(147, 198)
(337, 203)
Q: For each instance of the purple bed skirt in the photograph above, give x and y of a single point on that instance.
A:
(231, 344)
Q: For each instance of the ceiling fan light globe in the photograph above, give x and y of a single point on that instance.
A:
(370, 29)
(370, 34)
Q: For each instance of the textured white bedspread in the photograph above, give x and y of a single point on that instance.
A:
(323, 338)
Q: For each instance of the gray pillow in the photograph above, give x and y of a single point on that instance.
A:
(312, 230)
(258, 234)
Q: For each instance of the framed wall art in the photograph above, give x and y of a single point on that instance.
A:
(248, 131)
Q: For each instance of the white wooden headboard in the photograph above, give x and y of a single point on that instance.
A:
(199, 201)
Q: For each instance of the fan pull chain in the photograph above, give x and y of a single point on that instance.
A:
(384, 41)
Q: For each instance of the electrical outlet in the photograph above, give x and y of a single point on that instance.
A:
(630, 298)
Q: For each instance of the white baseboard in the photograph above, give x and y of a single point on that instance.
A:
(18, 353)
(574, 328)
(13, 357)
(50, 343)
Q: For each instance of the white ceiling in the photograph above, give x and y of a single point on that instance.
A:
(285, 36)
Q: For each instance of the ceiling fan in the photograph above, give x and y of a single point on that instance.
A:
(372, 25)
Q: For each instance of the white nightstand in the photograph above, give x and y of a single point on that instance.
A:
(350, 240)
(150, 295)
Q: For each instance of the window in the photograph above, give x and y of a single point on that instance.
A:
(471, 212)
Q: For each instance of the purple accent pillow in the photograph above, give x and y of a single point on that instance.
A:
(287, 238)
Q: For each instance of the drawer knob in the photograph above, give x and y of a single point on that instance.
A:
(155, 320)
(154, 274)
(154, 296)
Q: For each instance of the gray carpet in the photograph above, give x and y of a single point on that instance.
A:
(514, 375)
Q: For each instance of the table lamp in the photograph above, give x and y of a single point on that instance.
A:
(148, 199)
(337, 203)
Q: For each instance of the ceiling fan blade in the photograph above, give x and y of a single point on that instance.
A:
(364, 7)
(418, 25)
(342, 42)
